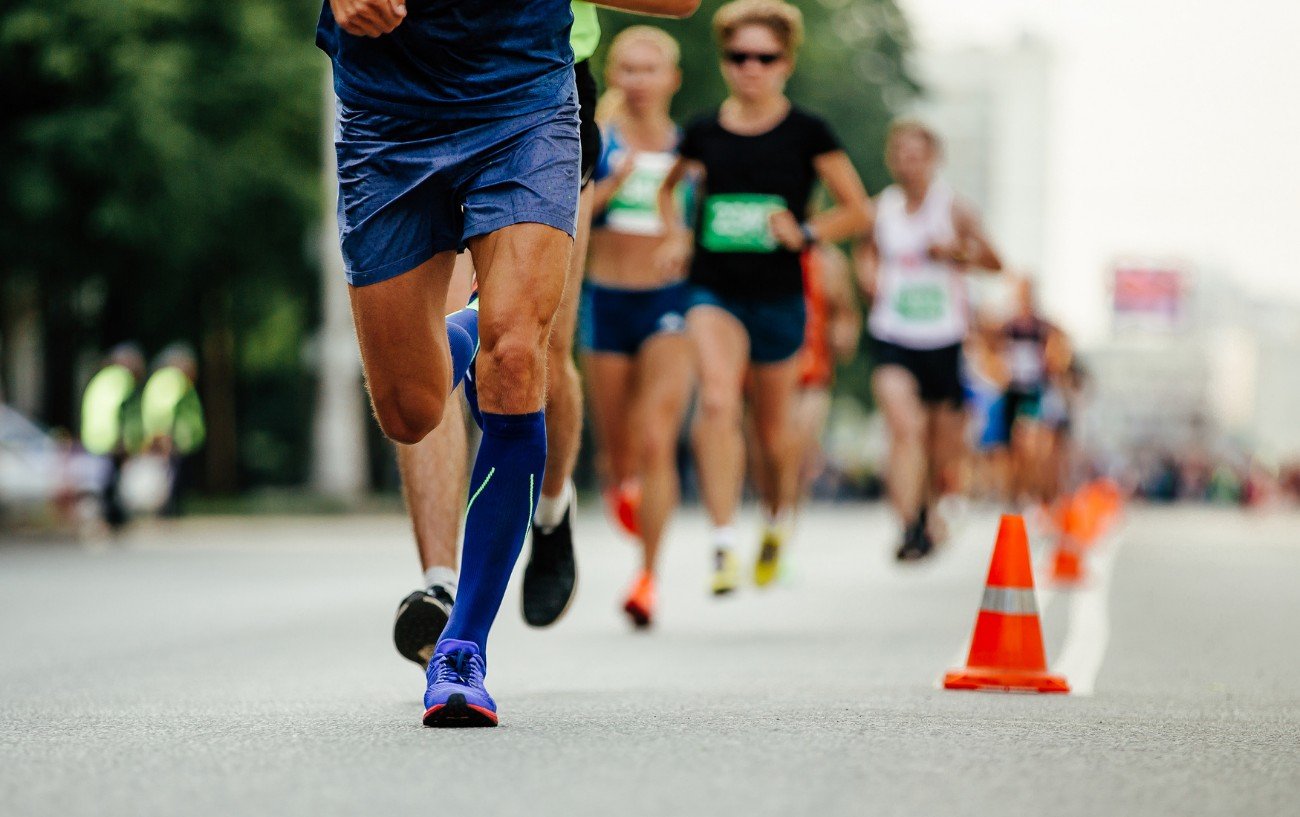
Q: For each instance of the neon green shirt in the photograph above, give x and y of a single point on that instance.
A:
(585, 35)
(110, 412)
(172, 410)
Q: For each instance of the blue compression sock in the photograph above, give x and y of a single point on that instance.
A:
(462, 337)
(503, 496)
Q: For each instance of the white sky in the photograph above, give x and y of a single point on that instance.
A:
(1174, 131)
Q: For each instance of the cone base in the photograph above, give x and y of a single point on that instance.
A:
(1067, 568)
(1007, 680)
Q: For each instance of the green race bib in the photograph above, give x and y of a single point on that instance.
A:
(921, 302)
(738, 222)
(635, 206)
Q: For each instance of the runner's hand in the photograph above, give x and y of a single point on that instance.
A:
(674, 253)
(949, 253)
(624, 169)
(785, 227)
(368, 18)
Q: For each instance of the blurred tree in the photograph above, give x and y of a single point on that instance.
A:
(852, 70)
(160, 175)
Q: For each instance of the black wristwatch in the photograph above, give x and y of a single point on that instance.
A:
(808, 238)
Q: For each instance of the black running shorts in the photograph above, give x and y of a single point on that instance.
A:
(937, 371)
(587, 128)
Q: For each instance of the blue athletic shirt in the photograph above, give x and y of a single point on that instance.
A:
(463, 59)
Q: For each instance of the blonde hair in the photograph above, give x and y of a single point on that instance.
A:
(907, 126)
(784, 20)
(611, 102)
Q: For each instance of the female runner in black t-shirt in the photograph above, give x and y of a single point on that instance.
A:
(759, 158)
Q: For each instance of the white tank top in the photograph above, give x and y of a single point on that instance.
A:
(919, 303)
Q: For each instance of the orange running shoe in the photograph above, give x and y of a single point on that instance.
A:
(624, 506)
(641, 601)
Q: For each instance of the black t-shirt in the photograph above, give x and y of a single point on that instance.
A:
(746, 177)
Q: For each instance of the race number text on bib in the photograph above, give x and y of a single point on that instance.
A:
(921, 301)
(738, 222)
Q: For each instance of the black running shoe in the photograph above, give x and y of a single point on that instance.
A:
(917, 543)
(551, 574)
(420, 620)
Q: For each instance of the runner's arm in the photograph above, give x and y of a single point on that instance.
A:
(678, 238)
(853, 212)
(866, 263)
(972, 247)
(1058, 352)
(656, 8)
(843, 319)
(606, 188)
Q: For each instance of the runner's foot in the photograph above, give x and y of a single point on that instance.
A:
(551, 575)
(917, 543)
(769, 557)
(420, 620)
(726, 572)
(456, 695)
(641, 601)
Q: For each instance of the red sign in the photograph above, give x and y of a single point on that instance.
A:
(1149, 294)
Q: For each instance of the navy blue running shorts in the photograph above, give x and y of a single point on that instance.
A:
(620, 321)
(775, 328)
(412, 188)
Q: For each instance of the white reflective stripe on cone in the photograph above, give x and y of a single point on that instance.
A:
(1010, 601)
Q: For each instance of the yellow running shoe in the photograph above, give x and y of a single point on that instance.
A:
(726, 572)
(769, 557)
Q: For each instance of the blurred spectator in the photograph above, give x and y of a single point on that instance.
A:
(173, 416)
(111, 422)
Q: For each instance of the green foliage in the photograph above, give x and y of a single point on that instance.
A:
(851, 70)
(165, 155)
(161, 172)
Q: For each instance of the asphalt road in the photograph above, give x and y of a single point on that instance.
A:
(243, 666)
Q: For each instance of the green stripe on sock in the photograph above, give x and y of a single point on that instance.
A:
(486, 479)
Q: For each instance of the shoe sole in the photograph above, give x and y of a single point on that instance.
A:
(457, 714)
(724, 591)
(417, 628)
(914, 554)
(640, 618)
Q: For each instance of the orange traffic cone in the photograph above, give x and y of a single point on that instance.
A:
(1067, 564)
(1112, 500)
(1090, 513)
(1067, 561)
(1007, 650)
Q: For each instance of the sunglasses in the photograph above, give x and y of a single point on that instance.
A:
(742, 57)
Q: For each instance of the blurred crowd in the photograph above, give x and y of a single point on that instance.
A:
(1233, 478)
(140, 424)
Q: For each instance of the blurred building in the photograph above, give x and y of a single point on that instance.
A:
(1190, 359)
(1200, 365)
(991, 106)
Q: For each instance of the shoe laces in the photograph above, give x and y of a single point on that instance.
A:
(459, 667)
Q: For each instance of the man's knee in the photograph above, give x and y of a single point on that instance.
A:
(515, 356)
(407, 415)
